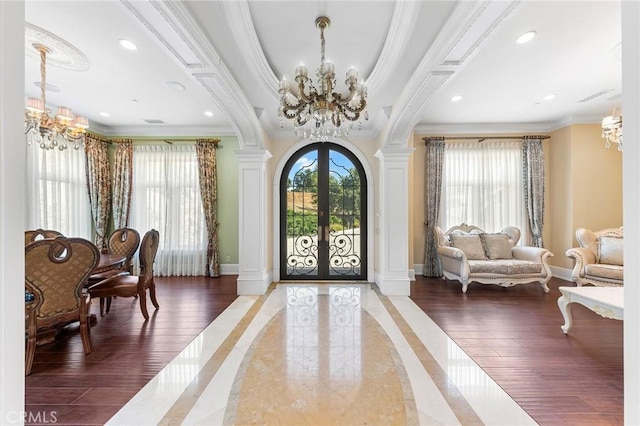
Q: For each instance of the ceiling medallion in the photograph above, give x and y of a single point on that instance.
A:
(61, 53)
(320, 102)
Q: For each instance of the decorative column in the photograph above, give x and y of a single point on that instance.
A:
(392, 271)
(12, 210)
(253, 277)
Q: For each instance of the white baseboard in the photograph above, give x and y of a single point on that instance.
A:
(253, 284)
(229, 269)
(562, 273)
(393, 286)
(412, 275)
(418, 268)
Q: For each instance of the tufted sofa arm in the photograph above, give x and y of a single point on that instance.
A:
(599, 259)
(454, 259)
(532, 254)
(583, 256)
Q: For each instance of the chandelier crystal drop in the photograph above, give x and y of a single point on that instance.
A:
(326, 109)
(51, 132)
(612, 130)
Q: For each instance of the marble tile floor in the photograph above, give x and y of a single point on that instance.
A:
(322, 354)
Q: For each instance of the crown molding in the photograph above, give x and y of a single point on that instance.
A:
(159, 22)
(403, 22)
(468, 27)
(223, 88)
(504, 128)
(164, 131)
(481, 128)
(482, 19)
(174, 27)
(244, 33)
(576, 119)
(407, 112)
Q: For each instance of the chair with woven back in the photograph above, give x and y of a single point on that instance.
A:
(56, 271)
(123, 242)
(134, 285)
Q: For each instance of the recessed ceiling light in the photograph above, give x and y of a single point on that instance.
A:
(208, 113)
(104, 114)
(526, 37)
(127, 44)
(174, 85)
(456, 98)
(549, 97)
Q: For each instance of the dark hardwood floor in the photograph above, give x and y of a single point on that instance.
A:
(74, 388)
(513, 334)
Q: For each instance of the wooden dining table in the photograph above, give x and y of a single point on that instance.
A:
(108, 262)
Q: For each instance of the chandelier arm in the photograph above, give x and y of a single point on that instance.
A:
(361, 108)
(354, 117)
(345, 102)
(293, 113)
(292, 110)
(303, 96)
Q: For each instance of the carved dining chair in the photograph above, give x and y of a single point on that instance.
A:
(56, 271)
(39, 234)
(34, 235)
(134, 285)
(124, 242)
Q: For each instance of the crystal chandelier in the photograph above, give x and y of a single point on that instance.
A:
(320, 102)
(612, 130)
(47, 132)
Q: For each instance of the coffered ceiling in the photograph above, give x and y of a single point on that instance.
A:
(228, 57)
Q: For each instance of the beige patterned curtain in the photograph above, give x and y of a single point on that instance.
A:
(122, 182)
(533, 176)
(207, 169)
(434, 160)
(99, 185)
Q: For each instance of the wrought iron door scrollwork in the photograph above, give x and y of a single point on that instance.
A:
(304, 259)
(343, 258)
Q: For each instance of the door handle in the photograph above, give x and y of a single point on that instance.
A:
(320, 233)
(326, 233)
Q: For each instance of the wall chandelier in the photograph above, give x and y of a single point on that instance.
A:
(51, 132)
(612, 130)
(319, 102)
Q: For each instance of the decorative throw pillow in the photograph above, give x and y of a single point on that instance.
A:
(610, 250)
(470, 244)
(496, 246)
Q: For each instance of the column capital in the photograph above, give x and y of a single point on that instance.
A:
(252, 155)
(390, 152)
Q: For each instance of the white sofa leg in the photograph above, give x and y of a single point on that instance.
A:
(544, 286)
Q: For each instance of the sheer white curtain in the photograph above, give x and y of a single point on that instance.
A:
(56, 192)
(166, 197)
(482, 185)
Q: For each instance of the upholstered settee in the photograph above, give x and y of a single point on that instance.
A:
(468, 254)
(599, 260)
